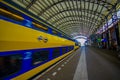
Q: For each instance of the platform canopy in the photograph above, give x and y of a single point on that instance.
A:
(74, 17)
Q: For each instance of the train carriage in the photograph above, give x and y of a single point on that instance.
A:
(25, 52)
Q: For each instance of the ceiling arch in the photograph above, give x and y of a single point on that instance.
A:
(73, 21)
(62, 21)
(86, 14)
(72, 16)
(103, 3)
(71, 29)
(65, 11)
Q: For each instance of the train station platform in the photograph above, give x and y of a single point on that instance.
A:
(86, 63)
(42, 39)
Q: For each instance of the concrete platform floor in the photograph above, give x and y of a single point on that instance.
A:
(86, 63)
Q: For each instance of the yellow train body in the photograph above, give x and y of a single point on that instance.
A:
(17, 37)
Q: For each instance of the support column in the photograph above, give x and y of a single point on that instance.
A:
(107, 33)
(116, 41)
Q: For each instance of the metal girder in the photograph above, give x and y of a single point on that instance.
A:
(92, 26)
(75, 23)
(104, 3)
(60, 12)
(71, 26)
(110, 12)
(32, 2)
(61, 21)
(70, 21)
(71, 30)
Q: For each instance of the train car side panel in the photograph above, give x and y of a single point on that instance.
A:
(17, 37)
(34, 71)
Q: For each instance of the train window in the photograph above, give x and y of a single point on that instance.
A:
(64, 50)
(11, 15)
(41, 56)
(40, 26)
(56, 52)
(9, 64)
(71, 48)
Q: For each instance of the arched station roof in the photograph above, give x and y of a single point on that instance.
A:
(71, 16)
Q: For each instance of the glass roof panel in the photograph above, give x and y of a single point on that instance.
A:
(59, 13)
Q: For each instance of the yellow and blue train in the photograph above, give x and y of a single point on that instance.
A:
(26, 50)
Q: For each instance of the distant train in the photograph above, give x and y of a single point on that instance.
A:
(24, 51)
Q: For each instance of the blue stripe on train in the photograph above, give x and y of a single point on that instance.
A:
(27, 62)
